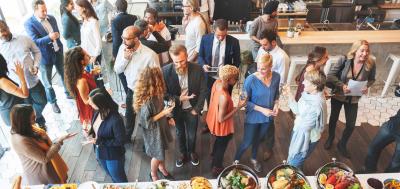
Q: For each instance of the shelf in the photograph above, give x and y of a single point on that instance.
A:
(389, 6)
(292, 13)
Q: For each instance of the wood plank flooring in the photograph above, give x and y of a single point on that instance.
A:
(83, 165)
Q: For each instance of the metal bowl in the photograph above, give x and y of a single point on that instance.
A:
(284, 165)
(243, 168)
(333, 164)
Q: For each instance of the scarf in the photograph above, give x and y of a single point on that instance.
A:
(311, 118)
(57, 162)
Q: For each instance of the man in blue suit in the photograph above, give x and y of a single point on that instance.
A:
(43, 30)
(218, 49)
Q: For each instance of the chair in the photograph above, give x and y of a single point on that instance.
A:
(392, 73)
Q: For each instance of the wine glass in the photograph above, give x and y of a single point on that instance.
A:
(243, 95)
(97, 67)
(170, 102)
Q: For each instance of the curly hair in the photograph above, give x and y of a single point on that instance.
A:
(227, 72)
(73, 68)
(150, 84)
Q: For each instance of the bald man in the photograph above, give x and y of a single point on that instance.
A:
(131, 59)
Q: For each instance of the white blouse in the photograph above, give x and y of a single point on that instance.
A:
(90, 37)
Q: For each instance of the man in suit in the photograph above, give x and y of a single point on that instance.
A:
(186, 85)
(146, 30)
(118, 24)
(218, 49)
(43, 30)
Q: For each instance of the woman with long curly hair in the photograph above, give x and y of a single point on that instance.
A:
(358, 66)
(152, 117)
(79, 82)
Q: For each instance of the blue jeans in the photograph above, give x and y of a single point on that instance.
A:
(114, 168)
(186, 129)
(253, 134)
(298, 161)
(385, 136)
(37, 97)
(46, 76)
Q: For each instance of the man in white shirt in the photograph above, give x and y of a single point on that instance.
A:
(280, 60)
(151, 16)
(195, 27)
(131, 59)
(24, 49)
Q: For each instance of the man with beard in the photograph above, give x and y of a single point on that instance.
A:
(186, 85)
(267, 21)
(24, 49)
(131, 59)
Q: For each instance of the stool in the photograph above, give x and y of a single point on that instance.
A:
(294, 61)
(331, 61)
(392, 73)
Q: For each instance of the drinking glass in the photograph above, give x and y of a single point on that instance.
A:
(97, 66)
(243, 95)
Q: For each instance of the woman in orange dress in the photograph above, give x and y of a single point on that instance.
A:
(79, 82)
(220, 114)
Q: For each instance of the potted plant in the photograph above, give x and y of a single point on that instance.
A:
(290, 32)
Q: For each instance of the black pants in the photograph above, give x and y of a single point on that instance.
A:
(129, 114)
(99, 78)
(186, 130)
(220, 145)
(124, 83)
(350, 111)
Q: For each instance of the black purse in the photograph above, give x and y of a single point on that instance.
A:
(397, 91)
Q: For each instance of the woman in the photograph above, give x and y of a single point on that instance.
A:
(310, 120)
(39, 156)
(108, 134)
(152, 117)
(10, 92)
(262, 88)
(79, 83)
(356, 66)
(267, 21)
(316, 61)
(220, 114)
(70, 24)
(90, 34)
(103, 10)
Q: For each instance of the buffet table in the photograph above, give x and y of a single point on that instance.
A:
(312, 179)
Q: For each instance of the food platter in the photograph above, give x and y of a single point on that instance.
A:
(286, 176)
(238, 176)
(336, 175)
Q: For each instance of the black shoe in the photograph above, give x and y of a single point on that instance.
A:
(343, 151)
(194, 159)
(168, 177)
(55, 107)
(328, 144)
(179, 162)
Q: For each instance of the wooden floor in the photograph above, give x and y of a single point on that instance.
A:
(83, 165)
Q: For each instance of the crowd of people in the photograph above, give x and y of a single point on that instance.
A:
(167, 85)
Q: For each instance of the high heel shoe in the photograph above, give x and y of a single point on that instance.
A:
(168, 177)
(151, 177)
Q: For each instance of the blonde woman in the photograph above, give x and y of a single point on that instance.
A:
(358, 66)
(262, 88)
(152, 117)
(220, 114)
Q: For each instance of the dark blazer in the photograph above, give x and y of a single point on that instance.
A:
(71, 30)
(39, 35)
(110, 136)
(196, 84)
(120, 22)
(232, 50)
(158, 46)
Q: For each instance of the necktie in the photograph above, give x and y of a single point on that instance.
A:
(216, 55)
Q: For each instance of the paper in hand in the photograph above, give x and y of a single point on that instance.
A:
(356, 87)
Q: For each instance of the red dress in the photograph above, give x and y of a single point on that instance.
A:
(85, 111)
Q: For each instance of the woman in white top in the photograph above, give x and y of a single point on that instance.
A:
(90, 33)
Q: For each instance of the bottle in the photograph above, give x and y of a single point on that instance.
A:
(291, 30)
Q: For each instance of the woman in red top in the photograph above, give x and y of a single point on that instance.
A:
(220, 114)
(79, 82)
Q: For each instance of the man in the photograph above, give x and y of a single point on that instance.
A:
(388, 133)
(118, 24)
(216, 50)
(186, 85)
(43, 29)
(195, 27)
(207, 9)
(280, 64)
(280, 60)
(158, 46)
(151, 16)
(131, 59)
(24, 49)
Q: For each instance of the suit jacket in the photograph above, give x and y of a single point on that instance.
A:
(120, 22)
(158, 46)
(110, 136)
(196, 85)
(232, 50)
(39, 35)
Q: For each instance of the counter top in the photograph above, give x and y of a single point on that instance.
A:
(389, 6)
